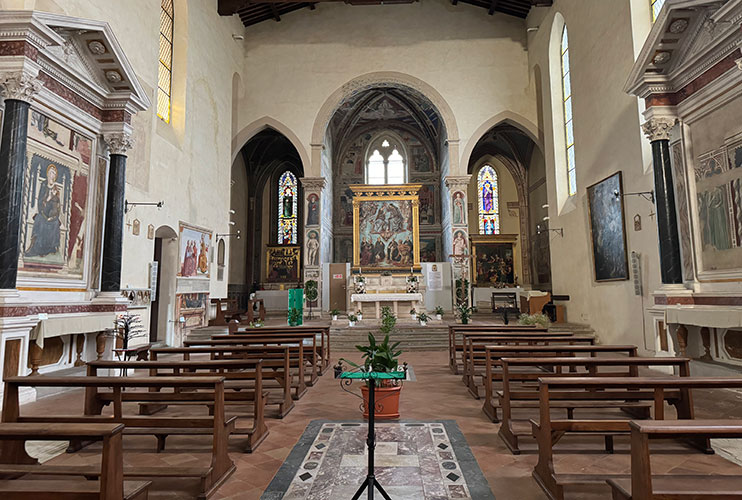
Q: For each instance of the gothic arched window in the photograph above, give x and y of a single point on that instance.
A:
(569, 132)
(385, 162)
(287, 202)
(165, 67)
(489, 201)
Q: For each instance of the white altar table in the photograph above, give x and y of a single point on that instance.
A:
(395, 298)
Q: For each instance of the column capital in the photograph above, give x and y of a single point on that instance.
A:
(658, 129)
(118, 143)
(20, 85)
(313, 184)
(457, 181)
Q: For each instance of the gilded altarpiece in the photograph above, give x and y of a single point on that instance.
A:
(386, 227)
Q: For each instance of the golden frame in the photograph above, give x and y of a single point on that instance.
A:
(290, 252)
(400, 192)
(482, 239)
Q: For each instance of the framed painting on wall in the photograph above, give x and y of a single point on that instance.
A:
(608, 229)
(386, 227)
(495, 260)
(283, 264)
(195, 245)
(429, 246)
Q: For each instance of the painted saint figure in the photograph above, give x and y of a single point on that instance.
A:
(312, 210)
(459, 215)
(460, 246)
(312, 249)
(46, 226)
(487, 203)
(203, 260)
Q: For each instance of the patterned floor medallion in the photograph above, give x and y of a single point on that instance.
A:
(414, 461)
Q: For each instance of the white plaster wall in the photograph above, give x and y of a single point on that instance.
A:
(185, 163)
(478, 63)
(608, 139)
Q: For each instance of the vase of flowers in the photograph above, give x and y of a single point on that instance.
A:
(413, 314)
(360, 314)
(334, 313)
(352, 320)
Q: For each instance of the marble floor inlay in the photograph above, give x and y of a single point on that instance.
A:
(414, 461)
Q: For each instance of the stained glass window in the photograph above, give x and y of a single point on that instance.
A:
(569, 133)
(489, 202)
(287, 216)
(656, 6)
(165, 67)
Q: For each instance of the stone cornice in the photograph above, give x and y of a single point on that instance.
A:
(20, 85)
(118, 143)
(457, 181)
(658, 129)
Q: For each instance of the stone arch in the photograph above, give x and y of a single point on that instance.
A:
(165, 232)
(370, 80)
(247, 132)
(504, 118)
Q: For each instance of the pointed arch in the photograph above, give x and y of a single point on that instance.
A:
(506, 117)
(257, 126)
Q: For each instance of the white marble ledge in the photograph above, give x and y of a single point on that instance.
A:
(386, 297)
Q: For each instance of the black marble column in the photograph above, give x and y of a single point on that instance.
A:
(667, 221)
(12, 163)
(114, 225)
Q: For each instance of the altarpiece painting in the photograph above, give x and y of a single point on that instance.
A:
(195, 245)
(386, 229)
(494, 260)
(283, 263)
(608, 229)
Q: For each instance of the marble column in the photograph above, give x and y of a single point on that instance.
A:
(457, 213)
(657, 131)
(113, 236)
(314, 245)
(18, 89)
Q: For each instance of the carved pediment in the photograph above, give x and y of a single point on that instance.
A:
(687, 39)
(82, 54)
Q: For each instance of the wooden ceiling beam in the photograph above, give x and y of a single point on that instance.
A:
(493, 5)
(229, 7)
(274, 10)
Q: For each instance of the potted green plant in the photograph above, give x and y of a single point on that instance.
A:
(352, 318)
(439, 313)
(423, 318)
(258, 323)
(534, 319)
(294, 316)
(311, 294)
(388, 320)
(383, 357)
(464, 312)
(334, 313)
(413, 314)
(360, 314)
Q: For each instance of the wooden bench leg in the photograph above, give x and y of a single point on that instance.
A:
(609, 444)
(161, 442)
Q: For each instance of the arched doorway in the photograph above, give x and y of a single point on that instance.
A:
(162, 309)
(266, 164)
(511, 152)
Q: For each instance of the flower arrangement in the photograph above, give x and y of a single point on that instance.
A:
(423, 318)
(534, 319)
(438, 313)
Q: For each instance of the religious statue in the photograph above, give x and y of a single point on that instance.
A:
(459, 214)
(312, 249)
(460, 245)
(46, 226)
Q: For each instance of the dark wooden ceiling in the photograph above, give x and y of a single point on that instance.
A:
(256, 11)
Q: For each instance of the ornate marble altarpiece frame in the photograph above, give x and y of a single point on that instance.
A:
(389, 205)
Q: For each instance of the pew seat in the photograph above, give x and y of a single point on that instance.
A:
(66, 489)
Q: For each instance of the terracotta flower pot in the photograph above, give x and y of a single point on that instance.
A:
(387, 402)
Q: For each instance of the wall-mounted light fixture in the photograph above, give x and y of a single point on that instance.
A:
(647, 195)
(129, 205)
(546, 228)
(228, 235)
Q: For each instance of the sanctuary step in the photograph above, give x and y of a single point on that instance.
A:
(428, 338)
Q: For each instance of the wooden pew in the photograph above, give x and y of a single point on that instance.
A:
(644, 486)
(519, 390)
(110, 486)
(454, 330)
(234, 371)
(322, 330)
(226, 311)
(548, 431)
(311, 354)
(280, 364)
(493, 354)
(475, 344)
(217, 426)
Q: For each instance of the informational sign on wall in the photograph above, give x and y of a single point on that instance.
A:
(435, 278)
(153, 267)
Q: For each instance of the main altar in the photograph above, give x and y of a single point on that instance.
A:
(386, 246)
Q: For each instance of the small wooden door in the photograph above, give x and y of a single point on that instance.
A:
(338, 287)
